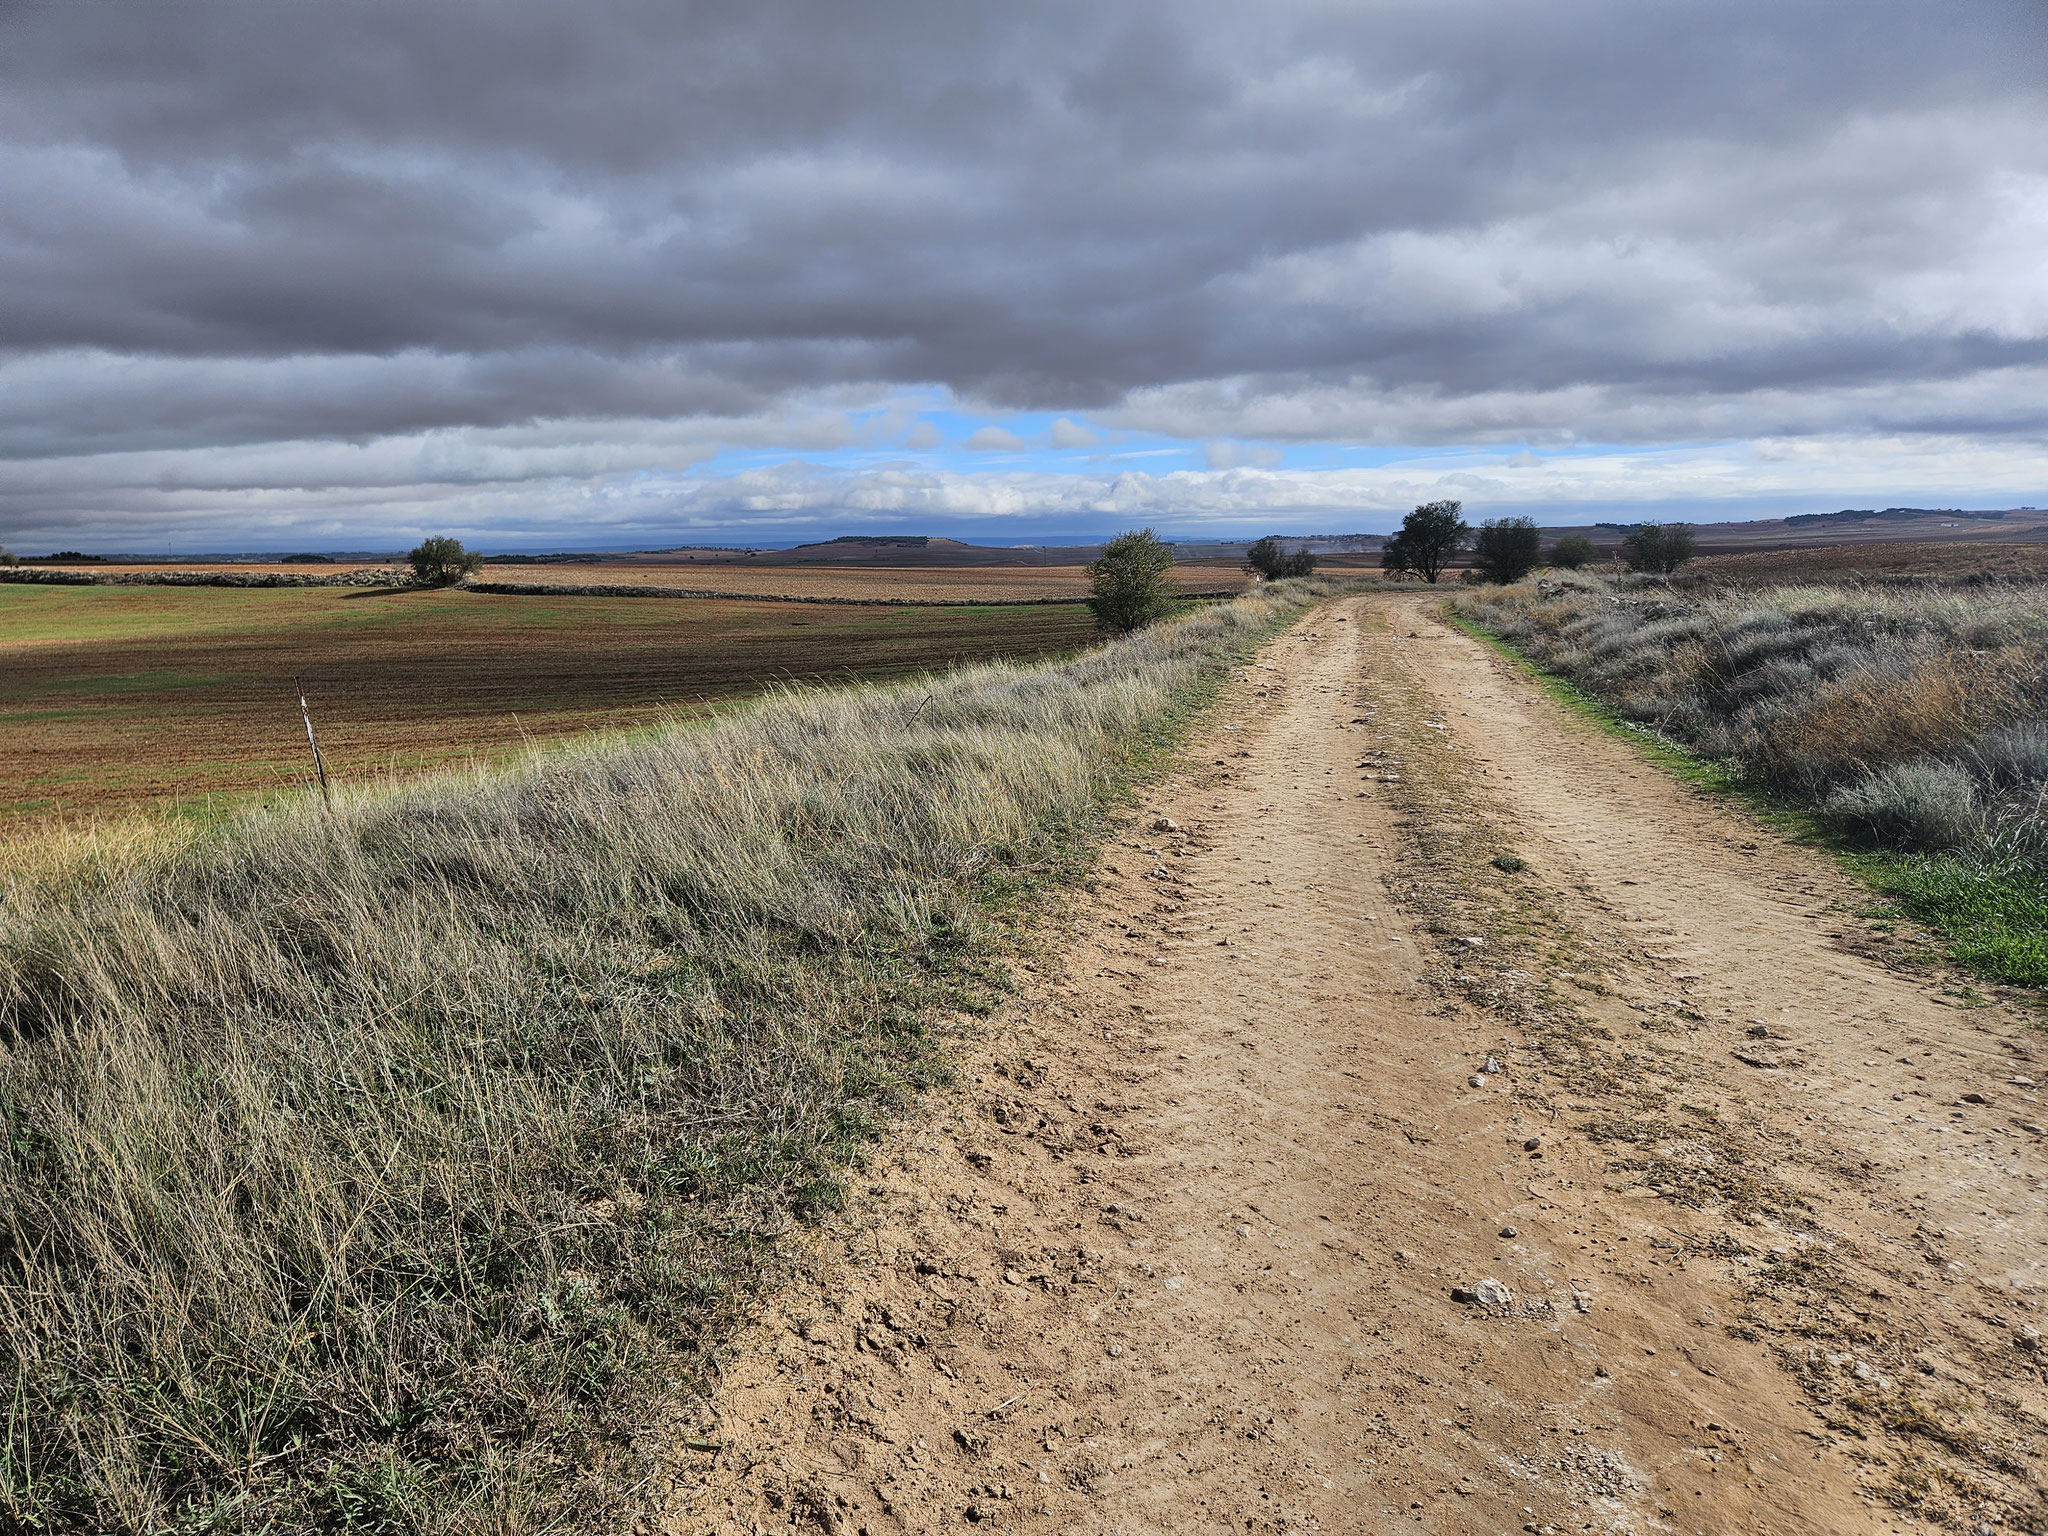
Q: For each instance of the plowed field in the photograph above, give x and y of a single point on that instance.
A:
(112, 698)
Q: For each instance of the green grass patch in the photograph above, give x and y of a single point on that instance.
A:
(1994, 921)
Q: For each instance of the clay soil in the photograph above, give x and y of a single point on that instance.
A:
(951, 583)
(1449, 1123)
(120, 697)
(936, 583)
(1955, 561)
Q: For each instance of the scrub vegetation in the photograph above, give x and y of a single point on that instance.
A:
(1916, 720)
(389, 1169)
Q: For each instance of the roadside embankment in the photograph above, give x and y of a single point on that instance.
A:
(1914, 722)
(384, 1168)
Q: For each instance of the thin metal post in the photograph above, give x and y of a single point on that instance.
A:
(319, 767)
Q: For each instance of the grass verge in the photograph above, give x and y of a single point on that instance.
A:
(1992, 921)
(384, 1170)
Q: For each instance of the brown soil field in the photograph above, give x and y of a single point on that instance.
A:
(118, 697)
(904, 583)
(942, 583)
(1954, 560)
(1335, 1171)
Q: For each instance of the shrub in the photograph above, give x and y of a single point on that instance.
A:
(1571, 551)
(1507, 549)
(1823, 692)
(1427, 539)
(1926, 805)
(1271, 559)
(1658, 548)
(2014, 757)
(1127, 585)
(442, 562)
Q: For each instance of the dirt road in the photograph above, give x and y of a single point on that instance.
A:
(1336, 1174)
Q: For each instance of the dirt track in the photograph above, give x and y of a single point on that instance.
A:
(1183, 1255)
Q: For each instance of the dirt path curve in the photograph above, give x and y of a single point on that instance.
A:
(1276, 1205)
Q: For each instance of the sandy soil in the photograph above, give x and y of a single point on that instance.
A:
(1278, 1203)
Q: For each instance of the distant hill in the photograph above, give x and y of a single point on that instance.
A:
(866, 540)
(1888, 515)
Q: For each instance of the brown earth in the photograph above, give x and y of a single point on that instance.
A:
(952, 583)
(1957, 560)
(1209, 1238)
(120, 697)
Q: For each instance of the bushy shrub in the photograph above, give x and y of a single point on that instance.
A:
(1926, 805)
(442, 562)
(1272, 560)
(1507, 548)
(1571, 551)
(1659, 548)
(1127, 585)
(2014, 757)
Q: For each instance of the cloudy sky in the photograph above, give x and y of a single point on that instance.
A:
(619, 275)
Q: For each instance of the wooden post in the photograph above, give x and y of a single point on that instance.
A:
(319, 767)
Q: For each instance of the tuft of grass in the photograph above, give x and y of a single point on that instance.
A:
(385, 1169)
(1994, 919)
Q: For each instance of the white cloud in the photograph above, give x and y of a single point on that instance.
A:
(1223, 454)
(253, 271)
(578, 495)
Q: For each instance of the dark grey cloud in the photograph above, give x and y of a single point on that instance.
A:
(235, 224)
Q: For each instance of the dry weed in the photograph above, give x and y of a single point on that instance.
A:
(377, 1170)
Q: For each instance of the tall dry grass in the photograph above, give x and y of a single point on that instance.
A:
(382, 1170)
(1915, 715)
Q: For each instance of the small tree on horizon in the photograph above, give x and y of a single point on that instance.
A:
(1429, 536)
(1657, 548)
(1507, 548)
(1571, 551)
(1270, 558)
(442, 561)
(1127, 585)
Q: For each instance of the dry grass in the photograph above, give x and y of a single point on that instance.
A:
(383, 1170)
(1917, 720)
(1836, 694)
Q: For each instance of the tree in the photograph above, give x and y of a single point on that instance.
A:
(1659, 548)
(1571, 551)
(1429, 536)
(1269, 557)
(9, 557)
(442, 562)
(1127, 586)
(1507, 548)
